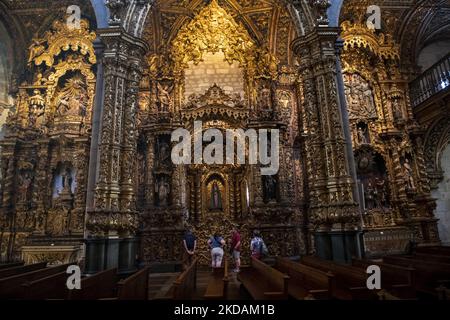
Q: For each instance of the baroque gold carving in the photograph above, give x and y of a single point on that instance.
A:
(359, 36)
(63, 38)
(213, 30)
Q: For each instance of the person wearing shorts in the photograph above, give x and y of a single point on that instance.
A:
(216, 244)
(235, 248)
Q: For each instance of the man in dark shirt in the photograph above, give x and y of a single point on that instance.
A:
(189, 244)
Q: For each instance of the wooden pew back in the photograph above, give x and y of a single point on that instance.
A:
(347, 275)
(310, 278)
(428, 273)
(16, 270)
(135, 287)
(275, 280)
(218, 283)
(98, 286)
(51, 287)
(11, 287)
(11, 265)
(184, 286)
(439, 250)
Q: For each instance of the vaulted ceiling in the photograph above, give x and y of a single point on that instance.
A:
(267, 21)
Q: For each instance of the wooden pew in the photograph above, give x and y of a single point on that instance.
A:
(11, 265)
(102, 285)
(351, 282)
(218, 284)
(10, 288)
(186, 283)
(443, 293)
(135, 287)
(429, 274)
(51, 287)
(438, 250)
(13, 271)
(398, 280)
(432, 257)
(306, 282)
(264, 282)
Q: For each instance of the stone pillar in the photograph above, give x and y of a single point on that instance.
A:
(113, 218)
(333, 210)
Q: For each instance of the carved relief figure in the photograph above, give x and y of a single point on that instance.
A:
(72, 100)
(36, 108)
(164, 97)
(36, 48)
(408, 172)
(265, 97)
(25, 180)
(360, 100)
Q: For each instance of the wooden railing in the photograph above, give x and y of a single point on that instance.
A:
(433, 81)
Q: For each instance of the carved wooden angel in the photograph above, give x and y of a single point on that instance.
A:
(164, 97)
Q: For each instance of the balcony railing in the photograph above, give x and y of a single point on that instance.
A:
(433, 81)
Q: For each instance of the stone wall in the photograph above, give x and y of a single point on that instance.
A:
(214, 70)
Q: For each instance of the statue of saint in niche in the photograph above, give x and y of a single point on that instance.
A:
(270, 188)
(216, 197)
(164, 154)
(362, 135)
(163, 191)
(265, 98)
(408, 172)
(36, 108)
(72, 100)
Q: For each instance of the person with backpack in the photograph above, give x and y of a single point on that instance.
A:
(257, 246)
(216, 244)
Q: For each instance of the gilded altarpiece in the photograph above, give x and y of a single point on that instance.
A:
(214, 198)
(45, 152)
(388, 144)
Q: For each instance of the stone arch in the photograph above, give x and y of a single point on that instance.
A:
(136, 13)
(436, 140)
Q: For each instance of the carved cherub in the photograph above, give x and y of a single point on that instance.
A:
(164, 97)
(36, 49)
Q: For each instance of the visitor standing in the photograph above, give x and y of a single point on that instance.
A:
(216, 244)
(189, 244)
(235, 248)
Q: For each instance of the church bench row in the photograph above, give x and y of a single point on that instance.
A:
(429, 274)
(16, 270)
(399, 280)
(51, 284)
(184, 286)
(106, 285)
(10, 265)
(439, 250)
(218, 283)
(11, 287)
(263, 282)
(350, 281)
(306, 282)
(435, 257)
